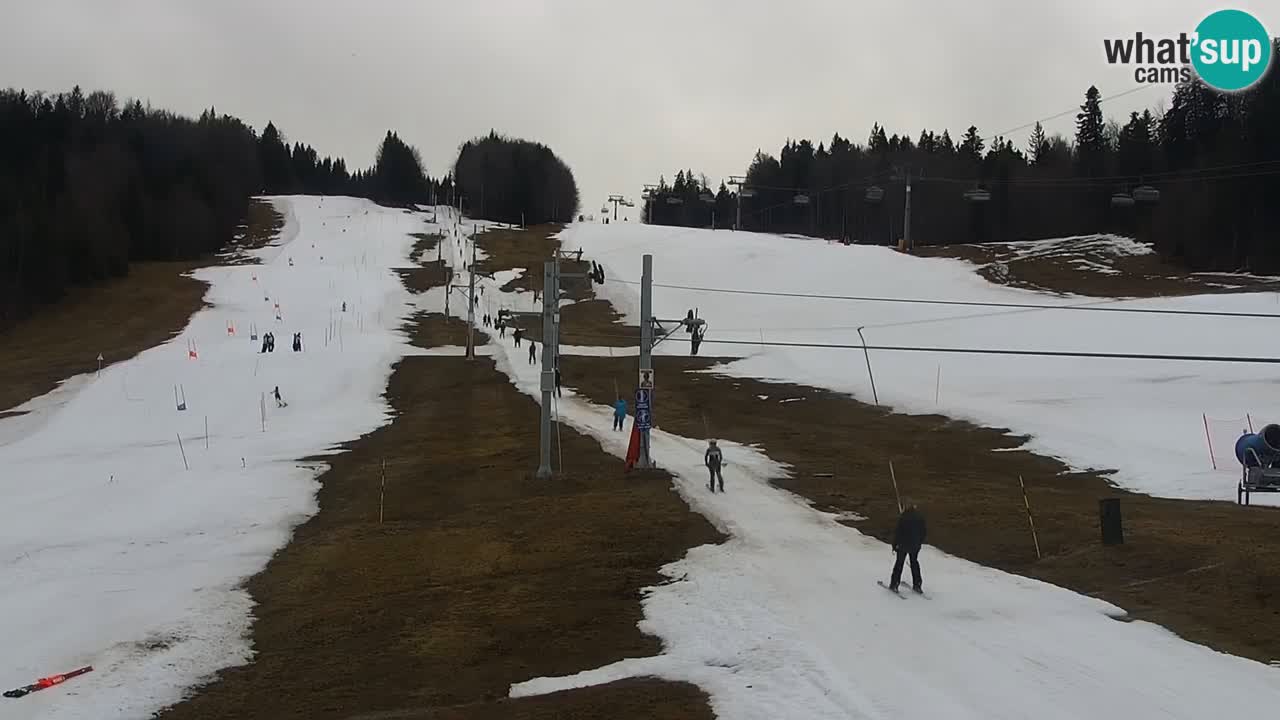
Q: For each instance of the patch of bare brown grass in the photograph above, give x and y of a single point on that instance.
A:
(477, 576)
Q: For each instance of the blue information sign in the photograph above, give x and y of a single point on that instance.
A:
(644, 415)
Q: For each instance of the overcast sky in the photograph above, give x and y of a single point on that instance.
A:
(623, 91)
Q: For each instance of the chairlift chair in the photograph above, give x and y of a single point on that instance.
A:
(1146, 195)
(1122, 200)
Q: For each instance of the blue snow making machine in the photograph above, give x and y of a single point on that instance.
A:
(1259, 456)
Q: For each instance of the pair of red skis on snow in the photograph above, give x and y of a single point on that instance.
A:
(45, 683)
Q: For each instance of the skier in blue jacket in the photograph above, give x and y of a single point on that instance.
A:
(619, 413)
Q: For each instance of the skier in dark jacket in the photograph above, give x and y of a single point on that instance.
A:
(533, 352)
(557, 382)
(517, 334)
(907, 539)
(713, 459)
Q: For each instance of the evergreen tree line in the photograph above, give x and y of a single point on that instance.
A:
(396, 178)
(88, 185)
(689, 201)
(511, 180)
(1213, 157)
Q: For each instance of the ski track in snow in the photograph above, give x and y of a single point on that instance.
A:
(785, 619)
(112, 554)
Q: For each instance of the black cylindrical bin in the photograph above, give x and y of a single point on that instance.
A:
(1112, 525)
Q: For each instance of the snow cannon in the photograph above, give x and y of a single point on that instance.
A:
(1260, 448)
(1259, 456)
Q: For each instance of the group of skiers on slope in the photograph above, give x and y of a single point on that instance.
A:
(269, 342)
(269, 345)
(908, 536)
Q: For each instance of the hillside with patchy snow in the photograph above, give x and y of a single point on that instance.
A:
(136, 516)
(784, 619)
(1144, 419)
(129, 524)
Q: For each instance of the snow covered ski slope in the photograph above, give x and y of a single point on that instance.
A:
(784, 619)
(112, 553)
(1142, 418)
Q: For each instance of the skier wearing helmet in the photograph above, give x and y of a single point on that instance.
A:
(713, 459)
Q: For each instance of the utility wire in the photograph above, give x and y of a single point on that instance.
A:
(1259, 168)
(810, 191)
(1076, 109)
(1262, 168)
(1093, 306)
(970, 351)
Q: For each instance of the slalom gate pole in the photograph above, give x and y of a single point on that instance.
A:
(870, 375)
(382, 493)
(184, 452)
(1208, 441)
(1031, 520)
